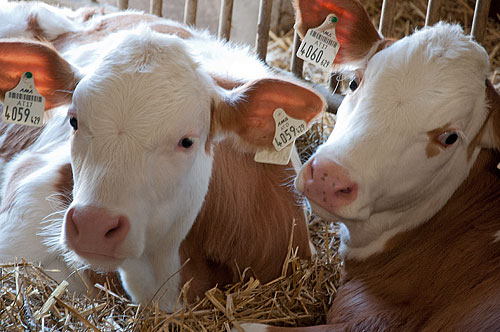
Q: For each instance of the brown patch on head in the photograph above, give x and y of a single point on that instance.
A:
(89, 13)
(34, 27)
(385, 44)
(16, 138)
(171, 30)
(433, 148)
(226, 83)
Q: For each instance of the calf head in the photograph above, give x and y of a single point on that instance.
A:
(409, 130)
(144, 121)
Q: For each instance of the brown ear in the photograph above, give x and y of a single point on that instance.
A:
(490, 137)
(55, 78)
(354, 30)
(248, 110)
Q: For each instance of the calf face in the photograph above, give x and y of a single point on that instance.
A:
(144, 119)
(406, 134)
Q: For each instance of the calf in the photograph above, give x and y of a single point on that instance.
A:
(151, 127)
(410, 170)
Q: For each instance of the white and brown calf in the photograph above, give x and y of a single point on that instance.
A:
(146, 158)
(410, 170)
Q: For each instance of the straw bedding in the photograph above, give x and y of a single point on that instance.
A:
(30, 300)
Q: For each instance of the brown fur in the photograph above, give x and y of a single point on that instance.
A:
(16, 138)
(34, 28)
(246, 221)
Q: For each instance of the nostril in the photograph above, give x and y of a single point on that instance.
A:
(119, 230)
(112, 231)
(346, 190)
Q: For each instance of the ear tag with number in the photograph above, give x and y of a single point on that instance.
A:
(23, 104)
(287, 131)
(320, 45)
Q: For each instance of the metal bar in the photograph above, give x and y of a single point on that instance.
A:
(122, 4)
(297, 64)
(190, 12)
(480, 19)
(263, 25)
(225, 17)
(432, 15)
(387, 17)
(155, 7)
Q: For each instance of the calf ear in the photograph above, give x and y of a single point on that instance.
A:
(248, 110)
(355, 32)
(55, 78)
(490, 137)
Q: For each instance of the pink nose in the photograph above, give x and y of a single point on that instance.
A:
(328, 184)
(94, 232)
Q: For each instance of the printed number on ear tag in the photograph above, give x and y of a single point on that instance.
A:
(23, 104)
(320, 45)
(287, 131)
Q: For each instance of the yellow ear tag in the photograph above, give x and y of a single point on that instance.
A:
(287, 131)
(320, 45)
(23, 104)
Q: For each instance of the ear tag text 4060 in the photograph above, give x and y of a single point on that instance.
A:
(320, 45)
(23, 104)
(287, 131)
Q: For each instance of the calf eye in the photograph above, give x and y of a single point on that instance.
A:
(73, 122)
(448, 138)
(353, 84)
(186, 142)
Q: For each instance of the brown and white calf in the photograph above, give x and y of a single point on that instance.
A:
(151, 128)
(410, 170)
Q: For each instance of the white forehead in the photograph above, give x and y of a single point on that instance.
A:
(432, 76)
(146, 82)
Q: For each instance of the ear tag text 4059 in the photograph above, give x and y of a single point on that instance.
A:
(320, 45)
(23, 104)
(287, 131)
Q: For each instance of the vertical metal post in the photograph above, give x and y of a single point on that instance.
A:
(480, 19)
(432, 15)
(387, 17)
(155, 7)
(190, 12)
(225, 18)
(263, 25)
(297, 64)
(122, 4)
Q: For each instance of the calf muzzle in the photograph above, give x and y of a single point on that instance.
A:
(95, 232)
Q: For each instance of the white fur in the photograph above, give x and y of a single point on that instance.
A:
(430, 79)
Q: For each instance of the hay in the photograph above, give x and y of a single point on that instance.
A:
(31, 300)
